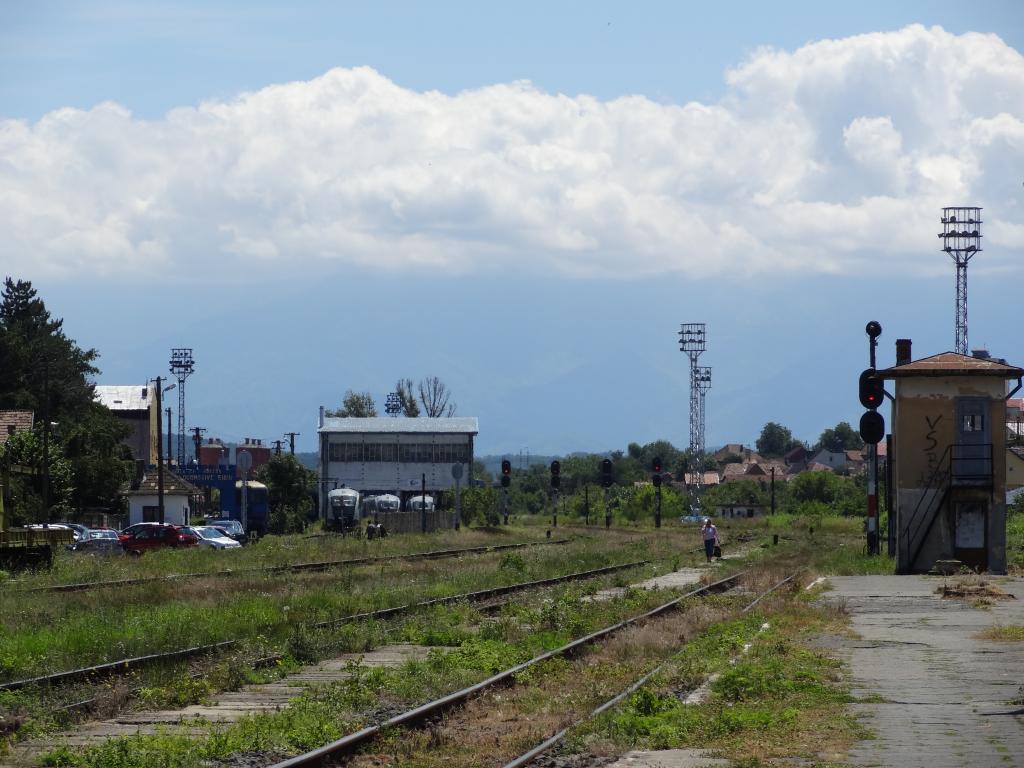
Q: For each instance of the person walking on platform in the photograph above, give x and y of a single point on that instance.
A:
(711, 540)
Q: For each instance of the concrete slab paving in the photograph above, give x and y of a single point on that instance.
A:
(668, 758)
(945, 698)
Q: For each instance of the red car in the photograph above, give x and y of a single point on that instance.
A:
(146, 536)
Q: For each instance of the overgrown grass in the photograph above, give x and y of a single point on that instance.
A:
(782, 699)
(45, 634)
(1006, 633)
(325, 712)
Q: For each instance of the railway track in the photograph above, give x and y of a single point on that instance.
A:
(292, 568)
(532, 754)
(348, 744)
(107, 669)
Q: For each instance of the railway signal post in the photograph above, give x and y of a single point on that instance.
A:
(506, 481)
(872, 427)
(656, 479)
(556, 482)
(606, 483)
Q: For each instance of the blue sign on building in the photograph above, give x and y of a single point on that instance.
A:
(220, 477)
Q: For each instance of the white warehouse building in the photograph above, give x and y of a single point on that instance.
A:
(392, 455)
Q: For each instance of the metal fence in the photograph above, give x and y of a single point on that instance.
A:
(412, 522)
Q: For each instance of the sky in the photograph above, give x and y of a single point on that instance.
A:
(525, 201)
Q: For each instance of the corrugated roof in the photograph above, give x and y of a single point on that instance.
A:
(455, 425)
(952, 364)
(17, 421)
(117, 397)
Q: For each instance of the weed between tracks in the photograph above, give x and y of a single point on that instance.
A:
(484, 644)
(325, 712)
(782, 699)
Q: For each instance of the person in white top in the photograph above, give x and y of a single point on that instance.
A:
(710, 538)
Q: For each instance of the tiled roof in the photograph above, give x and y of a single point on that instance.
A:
(14, 421)
(401, 425)
(173, 485)
(133, 397)
(952, 364)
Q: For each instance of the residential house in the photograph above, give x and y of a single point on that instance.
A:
(12, 422)
(144, 498)
(834, 460)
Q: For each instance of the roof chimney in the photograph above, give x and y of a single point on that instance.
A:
(903, 353)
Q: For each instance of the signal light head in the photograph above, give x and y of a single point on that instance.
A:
(656, 465)
(556, 468)
(870, 389)
(506, 467)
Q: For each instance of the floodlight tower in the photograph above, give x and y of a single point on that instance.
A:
(693, 341)
(961, 239)
(182, 366)
(702, 383)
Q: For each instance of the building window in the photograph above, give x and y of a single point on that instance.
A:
(151, 514)
(974, 422)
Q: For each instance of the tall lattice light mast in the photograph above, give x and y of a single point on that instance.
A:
(702, 381)
(961, 239)
(692, 342)
(182, 366)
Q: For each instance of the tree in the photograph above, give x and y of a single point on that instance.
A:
(406, 398)
(841, 437)
(21, 458)
(434, 396)
(479, 506)
(355, 405)
(44, 371)
(289, 489)
(775, 440)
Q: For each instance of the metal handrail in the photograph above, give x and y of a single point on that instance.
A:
(944, 477)
(983, 478)
(940, 477)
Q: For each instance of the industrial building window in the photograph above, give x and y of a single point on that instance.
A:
(389, 452)
(372, 452)
(353, 451)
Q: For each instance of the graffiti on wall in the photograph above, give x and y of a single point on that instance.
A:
(931, 449)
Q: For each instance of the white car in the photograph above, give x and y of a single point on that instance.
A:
(213, 539)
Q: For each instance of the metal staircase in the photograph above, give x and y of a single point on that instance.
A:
(962, 465)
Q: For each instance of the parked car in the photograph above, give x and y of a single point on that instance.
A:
(143, 537)
(214, 538)
(233, 528)
(100, 541)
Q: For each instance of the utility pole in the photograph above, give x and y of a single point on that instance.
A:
(291, 440)
(159, 451)
(773, 490)
(197, 439)
(46, 439)
(277, 446)
(423, 502)
(169, 451)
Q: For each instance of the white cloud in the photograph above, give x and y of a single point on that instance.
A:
(817, 159)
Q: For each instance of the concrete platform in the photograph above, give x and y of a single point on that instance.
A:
(945, 698)
(668, 758)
